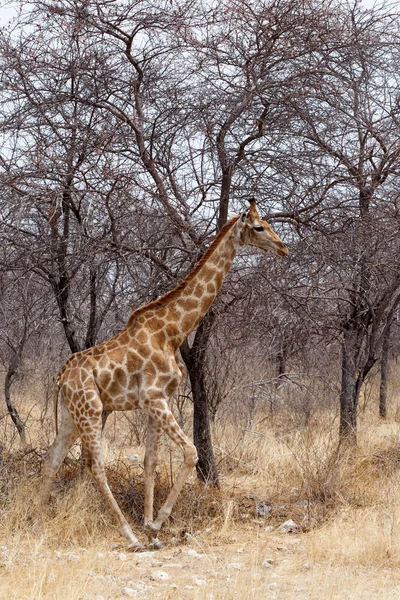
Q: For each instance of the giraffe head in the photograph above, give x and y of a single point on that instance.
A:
(257, 232)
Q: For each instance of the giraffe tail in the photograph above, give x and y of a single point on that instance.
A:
(55, 405)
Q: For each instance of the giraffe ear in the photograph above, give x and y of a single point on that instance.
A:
(244, 215)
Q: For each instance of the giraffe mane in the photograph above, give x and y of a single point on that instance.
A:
(176, 290)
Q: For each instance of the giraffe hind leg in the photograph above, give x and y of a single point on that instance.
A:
(66, 436)
(90, 429)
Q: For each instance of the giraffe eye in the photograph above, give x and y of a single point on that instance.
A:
(258, 228)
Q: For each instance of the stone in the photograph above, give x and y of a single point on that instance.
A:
(130, 592)
(199, 582)
(159, 576)
(289, 526)
(263, 510)
(267, 563)
(133, 457)
(235, 565)
(72, 556)
(194, 553)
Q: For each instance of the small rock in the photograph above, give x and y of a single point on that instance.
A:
(100, 555)
(122, 556)
(188, 538)
(267, 563)
(193, 552)
(272, 586)
(189, 587)
(159, 576)
(251, 496)
(72, 556)
(133, 457)
(289, 526)
(235, 565)
(175, 541)
(240, 550)
(127, 591)
(199, 582)
(268, 529)
(263, 509)
(57, 554)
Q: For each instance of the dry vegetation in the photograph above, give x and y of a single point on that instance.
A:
(345, 503)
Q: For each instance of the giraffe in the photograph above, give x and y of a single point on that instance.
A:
(141, 368)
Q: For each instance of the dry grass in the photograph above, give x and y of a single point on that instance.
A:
(346, 502)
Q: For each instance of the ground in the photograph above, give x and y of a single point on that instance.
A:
(252, 563)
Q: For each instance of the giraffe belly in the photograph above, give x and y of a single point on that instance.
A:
(126, 401)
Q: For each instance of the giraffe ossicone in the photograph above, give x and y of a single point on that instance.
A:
(141, 368)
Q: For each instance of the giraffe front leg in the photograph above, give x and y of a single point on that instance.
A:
(150, 463)
(161, 414)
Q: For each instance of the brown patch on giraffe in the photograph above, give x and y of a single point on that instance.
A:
(160, 362)
(134, 362)
(207, 274)
(120, 375)
(124, 337)
(211, 288)
(117, 355)
(162, 381)
(141, 336)
(172, 330)
(104, 379)
(158, 339)
(188, 320)
(187, 303)
(172, 386)
(115, 388)
(144, 350)
(173, 314)
(155, 324)
(199, 290)
(219, 277)
(206, 303)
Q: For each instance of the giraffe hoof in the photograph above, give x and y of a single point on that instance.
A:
(155, 544)
(136, 547)
(151, 529)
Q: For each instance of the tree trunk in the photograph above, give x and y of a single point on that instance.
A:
(281, 368)
(16, 419)
(384, 375)
(350, 389)
(194, 358)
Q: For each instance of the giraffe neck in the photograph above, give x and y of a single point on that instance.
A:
(182, 309)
